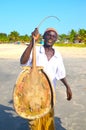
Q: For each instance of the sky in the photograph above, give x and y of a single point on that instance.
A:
(24, 16)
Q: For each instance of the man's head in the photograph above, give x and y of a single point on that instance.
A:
(51, 29)
(50, 36)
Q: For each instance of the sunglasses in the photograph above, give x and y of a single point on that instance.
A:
(49, 34)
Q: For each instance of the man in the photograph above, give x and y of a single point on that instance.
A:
(53, 65)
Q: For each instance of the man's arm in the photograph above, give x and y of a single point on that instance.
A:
(68, 90)
(25, 56)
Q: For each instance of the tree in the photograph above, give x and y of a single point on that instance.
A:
(24, 38)
(3, 37)
(63, 37)
(72, 35)
(82, 35)
(13, 36)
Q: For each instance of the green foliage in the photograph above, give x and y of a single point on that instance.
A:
(63, 40)
(24, 38)
(13, 36)
(3, 37)
(70, 45)
(72, 36)
(82, 35)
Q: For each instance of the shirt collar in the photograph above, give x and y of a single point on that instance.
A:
(42, 50)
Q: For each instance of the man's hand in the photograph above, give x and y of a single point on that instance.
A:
(35, 34)
(69, 93)
(68, 90)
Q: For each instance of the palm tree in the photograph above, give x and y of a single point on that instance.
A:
(82, 35)
(72, 36)
(13, 36)
(3, 37)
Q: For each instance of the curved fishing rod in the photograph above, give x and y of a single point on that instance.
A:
(47, 18)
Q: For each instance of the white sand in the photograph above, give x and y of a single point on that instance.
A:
(69, 115)
(14, 51)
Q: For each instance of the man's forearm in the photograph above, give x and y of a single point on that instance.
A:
(25, 56)
(68, 90)
(64, 81)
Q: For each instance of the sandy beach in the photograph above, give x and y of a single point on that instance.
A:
(69, 115)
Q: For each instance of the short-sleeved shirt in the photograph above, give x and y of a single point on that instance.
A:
(54, 67)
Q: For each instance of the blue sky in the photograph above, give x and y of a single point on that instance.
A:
(25, 15)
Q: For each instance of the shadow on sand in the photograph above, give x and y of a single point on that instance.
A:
(8, 120)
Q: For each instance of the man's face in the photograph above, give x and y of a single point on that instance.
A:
(50, 38)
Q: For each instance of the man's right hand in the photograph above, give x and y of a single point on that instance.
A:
(35, 34)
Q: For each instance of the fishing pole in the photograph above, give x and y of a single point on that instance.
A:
(47, 18)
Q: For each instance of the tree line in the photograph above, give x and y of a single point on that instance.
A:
(72, 37)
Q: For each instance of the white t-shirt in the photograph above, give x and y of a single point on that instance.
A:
(54, 67)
